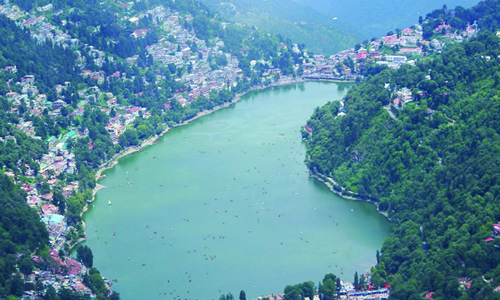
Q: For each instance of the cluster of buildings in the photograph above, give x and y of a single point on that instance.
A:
(403, 96)
(347, 292)
(13, 12)
(41, 30)
(63, 272)
(26, 99)
(393, 51)
(181, 47)
(57, 281)
(66, 271)
(373, 294)
(55, 223)
(174, 48)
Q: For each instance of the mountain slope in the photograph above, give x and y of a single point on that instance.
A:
(326, 26)
(300, 23)
(431, 164)
(376, 18)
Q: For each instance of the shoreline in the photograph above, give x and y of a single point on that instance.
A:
(151, 141)
(330, 80)
(330, 183)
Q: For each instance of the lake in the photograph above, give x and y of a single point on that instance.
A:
(226, 204)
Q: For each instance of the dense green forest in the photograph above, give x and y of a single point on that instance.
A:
(433, 166)
(21, 233)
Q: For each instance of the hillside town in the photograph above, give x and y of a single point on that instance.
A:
(393, 50)
(180, 48)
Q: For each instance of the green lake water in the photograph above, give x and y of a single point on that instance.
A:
(226, 204)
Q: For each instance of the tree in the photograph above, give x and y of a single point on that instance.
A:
(59, 201)
(243, 295)
(94, 281)
(328, 287)
(292, 294)
(84, 254)
(44, 188)
(50, 293)
(75, 206)
(299, 291)
(97, 284)
(16, 284)
(362, 282)
(129, 138)
(26, 265)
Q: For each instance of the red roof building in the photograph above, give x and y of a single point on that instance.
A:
(49, 209)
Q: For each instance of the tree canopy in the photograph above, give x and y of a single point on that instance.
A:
(432, 166)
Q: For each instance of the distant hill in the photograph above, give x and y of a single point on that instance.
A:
(327, 26)
(376, 17)
(292, 20)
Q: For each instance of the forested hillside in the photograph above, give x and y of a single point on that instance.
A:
(19, 49)
(376, 17)
(327, 27)
(486, 14)
(294, 21)
(424, 143)
(21, 233)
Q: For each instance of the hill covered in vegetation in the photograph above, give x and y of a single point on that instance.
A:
(375, 18)
(80, 81)
(423, 143)
(328, 27)
(300, 23)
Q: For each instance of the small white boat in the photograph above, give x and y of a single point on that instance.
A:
(109, 202)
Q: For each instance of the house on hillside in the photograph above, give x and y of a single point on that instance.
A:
(442, 27)
(411, 51)
(396, 103)
(140, 33)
